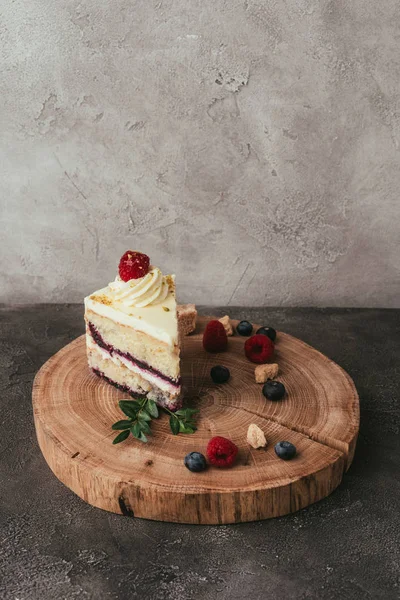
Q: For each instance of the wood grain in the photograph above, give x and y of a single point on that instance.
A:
(74, 410)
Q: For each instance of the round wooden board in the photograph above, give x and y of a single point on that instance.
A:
(74, 411)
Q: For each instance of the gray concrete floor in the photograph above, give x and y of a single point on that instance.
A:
(54, 546)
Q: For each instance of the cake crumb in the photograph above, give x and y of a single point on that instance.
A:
(171, 283)
(187, 315)
(103, 299)
(256, 437)
(226, 322)
(264, 372)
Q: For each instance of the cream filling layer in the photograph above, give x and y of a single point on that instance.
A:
(165, 386)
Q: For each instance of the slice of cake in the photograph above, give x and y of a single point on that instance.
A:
(132, 332)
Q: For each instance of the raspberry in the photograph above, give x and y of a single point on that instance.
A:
(259, 348)
(221, 452)
(215, 338)
(133, 265)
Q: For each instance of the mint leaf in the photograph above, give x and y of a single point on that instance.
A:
(144, 426)
(121, 437)
(143, 438)
(129, 407)
(136, 430)
(124, 424)
(144, 416)
(151, 408)
(185, 428)
(186, 412)
(174, 425)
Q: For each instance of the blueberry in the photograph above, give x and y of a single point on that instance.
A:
(244, 328)
(220, 374)
(285, 450)
(195, 461)
(273, 390)
(268, 331)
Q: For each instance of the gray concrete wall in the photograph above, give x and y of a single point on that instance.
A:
(251, 147)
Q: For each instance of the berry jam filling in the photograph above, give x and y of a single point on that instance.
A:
(97, 337)
(99, 340)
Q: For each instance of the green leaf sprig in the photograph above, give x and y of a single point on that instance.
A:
(141, 412)
(182, 421)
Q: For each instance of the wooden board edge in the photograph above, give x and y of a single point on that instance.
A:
(131, 499)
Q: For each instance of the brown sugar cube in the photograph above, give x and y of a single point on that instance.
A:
(264, 372)
(187, 315)
(226, 322)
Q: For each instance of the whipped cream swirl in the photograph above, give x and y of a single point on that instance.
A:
(151, 289)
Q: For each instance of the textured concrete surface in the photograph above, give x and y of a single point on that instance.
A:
(250, 146)
(347, 547)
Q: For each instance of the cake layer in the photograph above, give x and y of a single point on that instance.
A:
(144, 350)
(117, 373)
(110, 353)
